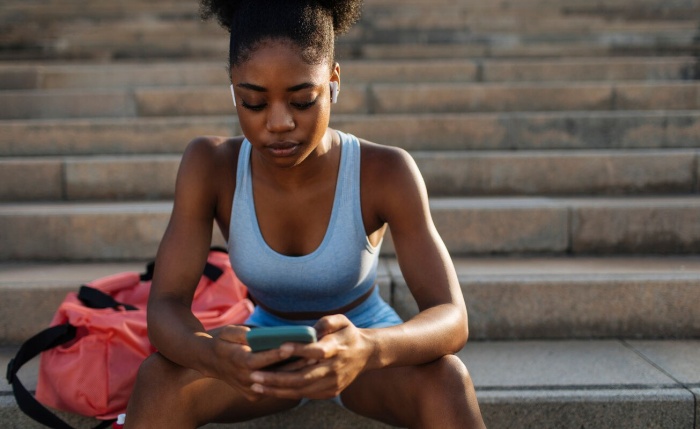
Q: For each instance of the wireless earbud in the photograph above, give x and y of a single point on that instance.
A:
(334, 92)
(233, 96)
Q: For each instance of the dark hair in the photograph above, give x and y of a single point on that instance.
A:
(311, 25)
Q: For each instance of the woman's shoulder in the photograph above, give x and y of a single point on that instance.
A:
(212, 148)
(386, 163)
(209, 162)
(211, 153)
(392, 186)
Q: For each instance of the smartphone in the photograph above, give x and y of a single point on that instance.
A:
(261, 339)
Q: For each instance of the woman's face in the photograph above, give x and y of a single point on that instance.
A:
(283, 103)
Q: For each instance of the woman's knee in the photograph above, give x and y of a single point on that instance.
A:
(449, 394)
(154, 367)
(448, 369)
(159, 376)
(445, 380)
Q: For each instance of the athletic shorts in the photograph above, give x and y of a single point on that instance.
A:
(373, 312)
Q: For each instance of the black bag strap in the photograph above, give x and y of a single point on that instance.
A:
(95, 298)
(212, 272)
(44, 340)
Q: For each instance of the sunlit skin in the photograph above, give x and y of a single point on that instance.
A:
(403, 375)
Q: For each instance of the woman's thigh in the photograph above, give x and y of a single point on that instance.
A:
(437, 394)
(168, 395)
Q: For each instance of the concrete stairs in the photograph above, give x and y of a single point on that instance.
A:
(559, 141)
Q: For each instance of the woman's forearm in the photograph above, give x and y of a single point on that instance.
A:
(178, 335)
(433, 333)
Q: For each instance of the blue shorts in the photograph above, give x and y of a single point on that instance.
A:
(373, 312)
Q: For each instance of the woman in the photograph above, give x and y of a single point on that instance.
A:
(304, 209)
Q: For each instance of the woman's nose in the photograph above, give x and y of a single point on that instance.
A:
(279, 118)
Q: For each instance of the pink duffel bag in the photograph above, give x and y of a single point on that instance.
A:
(98, 338)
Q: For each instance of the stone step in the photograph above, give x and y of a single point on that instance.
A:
(559, 172)
(475, 4)
(77, 30)
(361, 99)
(469, 226)
(414, 132)
(564, 5)
(148, 18)
(446, 173)
(145, 19)
(380, 13)
(47, 11)
(407, 25)
(507, 298)
(214, 48)
(528, 23)
(530, 31)
(453, 98)
(543, 49)
(189, 73)
(624, 384)
(572, 297)
(192, 38)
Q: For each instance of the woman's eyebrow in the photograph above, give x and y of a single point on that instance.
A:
(301, 86)
(252, 87)
(259, 88)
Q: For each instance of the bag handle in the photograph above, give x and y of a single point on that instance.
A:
(95, 298)
(211, 271)
(44, 340)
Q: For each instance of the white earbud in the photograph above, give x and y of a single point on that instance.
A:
(334, 92)
(233, 96)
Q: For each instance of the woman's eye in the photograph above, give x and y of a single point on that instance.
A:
(254, 107)
(305, 105)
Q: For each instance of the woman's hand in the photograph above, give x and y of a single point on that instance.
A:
(327, 366)
(234, 362)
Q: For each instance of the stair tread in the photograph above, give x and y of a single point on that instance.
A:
(560, 364)
(572, 375)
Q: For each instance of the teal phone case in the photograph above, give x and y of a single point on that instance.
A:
(261, 339)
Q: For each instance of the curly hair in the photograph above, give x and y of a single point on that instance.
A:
(311, 25)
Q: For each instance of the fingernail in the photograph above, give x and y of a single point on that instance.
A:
(286, 350)
(257, 377)
(256, 388)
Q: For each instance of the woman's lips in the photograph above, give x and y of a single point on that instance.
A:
(282, 149)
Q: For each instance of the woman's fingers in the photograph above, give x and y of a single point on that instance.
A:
(330, 324)
(233, 334)
(315, 381)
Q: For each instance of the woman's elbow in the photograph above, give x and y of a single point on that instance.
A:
(461, 331)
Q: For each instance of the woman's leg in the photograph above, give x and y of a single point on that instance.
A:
(167, 395)
(439, 394)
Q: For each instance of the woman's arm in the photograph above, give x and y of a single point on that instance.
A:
(173, 329)
(441, 326)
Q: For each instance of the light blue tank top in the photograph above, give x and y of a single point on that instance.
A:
(338, 272)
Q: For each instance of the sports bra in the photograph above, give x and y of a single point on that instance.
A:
(339, 271)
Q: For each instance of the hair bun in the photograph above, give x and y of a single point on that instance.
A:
(223, 10)
(345, 13)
